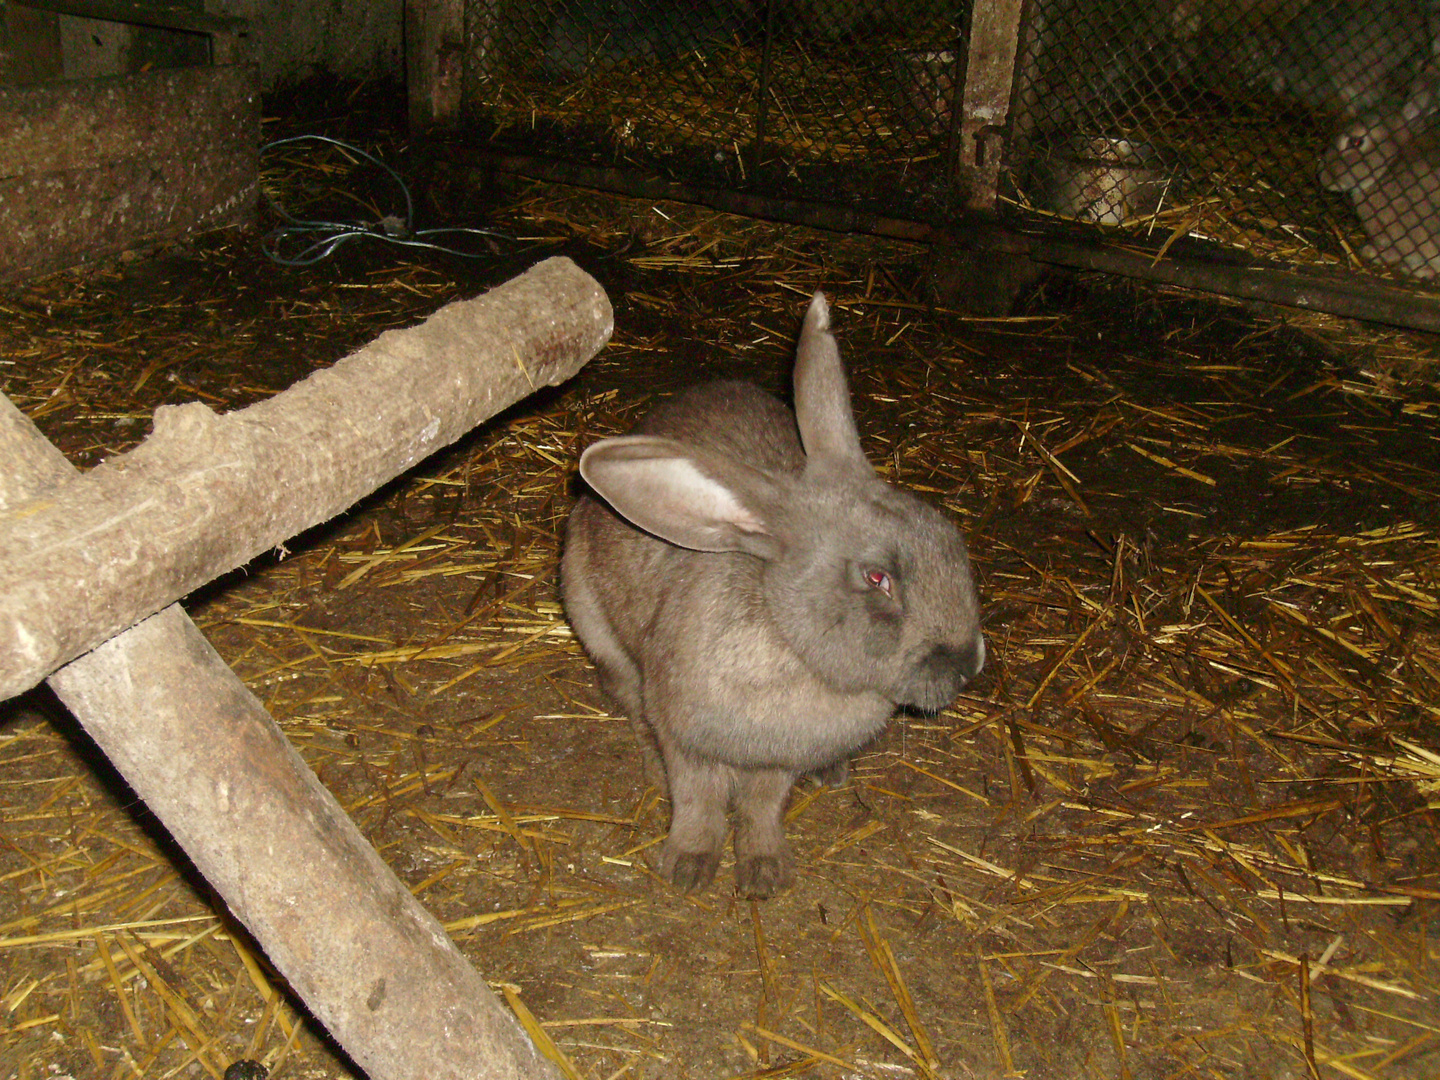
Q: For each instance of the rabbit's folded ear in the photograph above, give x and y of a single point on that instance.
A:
(695, 498)
(822, 398)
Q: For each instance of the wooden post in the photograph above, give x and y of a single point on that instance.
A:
(206, 493)
(989, 80)
(434, 62)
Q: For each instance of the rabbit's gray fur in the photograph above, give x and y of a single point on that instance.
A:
(753, 591)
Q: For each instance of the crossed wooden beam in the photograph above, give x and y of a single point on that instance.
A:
(91, 566)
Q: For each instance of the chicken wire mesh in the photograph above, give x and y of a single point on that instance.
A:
(837, 100)
(1301, 130)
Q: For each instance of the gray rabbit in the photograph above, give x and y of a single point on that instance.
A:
(1389, 164)
(753, 591)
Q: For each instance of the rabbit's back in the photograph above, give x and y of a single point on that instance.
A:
(1349, 56)
(615, 571)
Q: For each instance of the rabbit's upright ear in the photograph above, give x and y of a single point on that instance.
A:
(694, 498)
(822, 397)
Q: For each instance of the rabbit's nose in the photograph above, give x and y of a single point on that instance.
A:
(960, 664)
(969, 659)
(977, 656)
(943, 672)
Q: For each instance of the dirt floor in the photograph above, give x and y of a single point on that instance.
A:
(1183, 825)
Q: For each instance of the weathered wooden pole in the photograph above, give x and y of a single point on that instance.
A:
(371, 964)
(206, 493)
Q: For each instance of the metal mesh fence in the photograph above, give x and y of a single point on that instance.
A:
(1300, 130)
(845, 101)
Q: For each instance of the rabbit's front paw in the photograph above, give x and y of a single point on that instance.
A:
(833, 776)
(691, 871)
(761, 876)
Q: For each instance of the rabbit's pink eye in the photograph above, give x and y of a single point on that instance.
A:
(879, 579)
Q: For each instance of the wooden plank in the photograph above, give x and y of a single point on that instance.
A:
(140, 13)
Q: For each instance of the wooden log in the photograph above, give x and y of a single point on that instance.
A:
(206, 493)
(371, 964)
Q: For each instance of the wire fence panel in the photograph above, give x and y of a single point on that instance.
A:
(1303, 131)
(847, 101)
(1299, 130)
